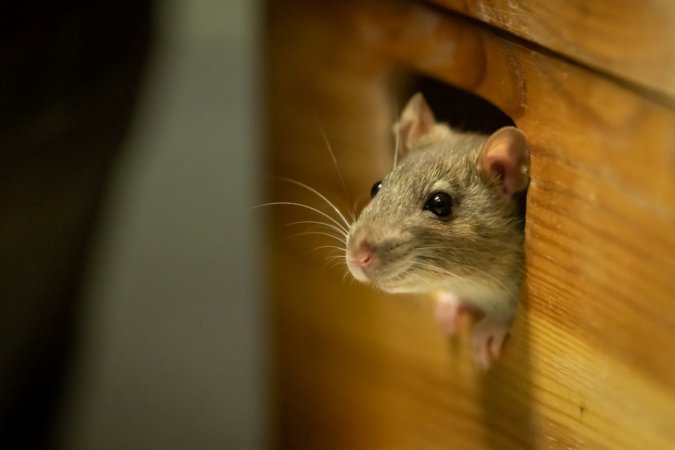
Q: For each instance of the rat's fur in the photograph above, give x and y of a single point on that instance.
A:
(476, 253)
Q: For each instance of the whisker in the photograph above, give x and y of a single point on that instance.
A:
(344, 277)
(333, 264)
(320, 195)
(300, 205)
(397, 144)
(354, 208)
(329, 246)
(443, 270)
(336, 256)
(318, 233)
(510, 291)
(316, 222)
(330, 257)
(397, 139)
(337, 166)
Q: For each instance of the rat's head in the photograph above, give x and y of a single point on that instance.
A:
(445, 215)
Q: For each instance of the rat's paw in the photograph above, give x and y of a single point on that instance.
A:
(487, 338)
(449, 311)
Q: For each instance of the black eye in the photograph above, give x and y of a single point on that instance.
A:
(375, 189)
(439, 203)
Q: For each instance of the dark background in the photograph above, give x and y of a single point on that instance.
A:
(129, 310)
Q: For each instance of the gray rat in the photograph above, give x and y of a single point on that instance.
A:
(445, 221)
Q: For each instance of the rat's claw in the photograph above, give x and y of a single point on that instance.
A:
(487, 338)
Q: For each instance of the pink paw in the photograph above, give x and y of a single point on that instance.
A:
(449, 312)
(487, 338)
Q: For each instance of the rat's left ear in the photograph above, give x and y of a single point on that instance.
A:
(416, 121)
(507, 155)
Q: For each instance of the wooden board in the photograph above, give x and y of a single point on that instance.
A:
(589, 364)
(634, 42)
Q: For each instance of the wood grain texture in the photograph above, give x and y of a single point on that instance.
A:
(634, 42)
(589, 364)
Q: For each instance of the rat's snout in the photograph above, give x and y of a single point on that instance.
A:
(373, 256)
(362, 254)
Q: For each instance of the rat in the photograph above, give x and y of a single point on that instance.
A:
(446, 221)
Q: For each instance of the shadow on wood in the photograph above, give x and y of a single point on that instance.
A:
(357, 369)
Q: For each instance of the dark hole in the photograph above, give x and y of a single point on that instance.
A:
(460, 109)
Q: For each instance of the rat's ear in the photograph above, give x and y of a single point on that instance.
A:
(416, 120)
(507, 155)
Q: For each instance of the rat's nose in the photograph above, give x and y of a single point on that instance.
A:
(362, 255)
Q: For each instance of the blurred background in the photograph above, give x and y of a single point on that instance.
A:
(145, 305)
(130, 290)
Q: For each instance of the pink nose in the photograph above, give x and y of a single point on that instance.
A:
(362, 255)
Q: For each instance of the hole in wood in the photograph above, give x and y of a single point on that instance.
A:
(460, 109)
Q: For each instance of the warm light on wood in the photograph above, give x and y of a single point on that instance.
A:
(590, 360)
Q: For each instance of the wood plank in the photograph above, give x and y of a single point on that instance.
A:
(634, 42)
(589, 362)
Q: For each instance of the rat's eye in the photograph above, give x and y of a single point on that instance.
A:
(439, 203)
(375, 189)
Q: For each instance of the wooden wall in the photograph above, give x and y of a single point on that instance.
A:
(590, 363)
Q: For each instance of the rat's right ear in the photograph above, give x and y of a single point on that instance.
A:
(416, 121)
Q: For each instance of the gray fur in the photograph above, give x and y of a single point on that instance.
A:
(476, 254)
